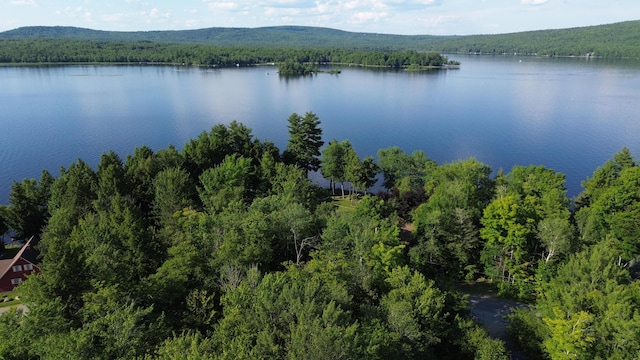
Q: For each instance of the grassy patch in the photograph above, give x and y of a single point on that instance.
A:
(345, 204)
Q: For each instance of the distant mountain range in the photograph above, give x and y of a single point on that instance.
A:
(619, 40)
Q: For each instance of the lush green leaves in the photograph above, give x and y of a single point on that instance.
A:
(447, 225)
(610, 205)
(530, 213)
(290, 68)
(292, 61)
(334, 163)
(403, 171)
(592, 308)
(260, 265)
(224, 183)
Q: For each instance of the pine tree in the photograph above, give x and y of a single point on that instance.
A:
(305, 141)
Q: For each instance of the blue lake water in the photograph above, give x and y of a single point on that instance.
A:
(570, 115)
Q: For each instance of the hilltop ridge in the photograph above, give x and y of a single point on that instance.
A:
(612, 40)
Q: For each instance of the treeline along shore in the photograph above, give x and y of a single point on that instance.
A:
(62, 51)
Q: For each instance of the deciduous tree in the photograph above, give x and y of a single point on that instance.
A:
(403, 171)
(592, 307)
(333, 164)
(225, 183)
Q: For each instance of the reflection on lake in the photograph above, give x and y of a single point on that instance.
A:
(567, 114)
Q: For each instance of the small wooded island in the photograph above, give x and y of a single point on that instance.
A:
(226, 249)
(409, 60)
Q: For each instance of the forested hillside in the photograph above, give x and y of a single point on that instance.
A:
(55, 51)
(611, 41)
(225, 249)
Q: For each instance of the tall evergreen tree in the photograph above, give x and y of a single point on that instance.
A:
(28, 213)
(172, 193)
(140, 170)
(305, 141)
(4, 227)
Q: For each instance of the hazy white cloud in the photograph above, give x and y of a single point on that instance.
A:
(145, 16)
(223, 5)
(367, 17)
(191, 23)
(319, 6)
(72, 12)
(353, 5)
(282, 12)
(156, 16)
(31, 3)
(289, 4)
(87, 17)
(115, 17)
(411, 2)
(155, 13)
(442, 17)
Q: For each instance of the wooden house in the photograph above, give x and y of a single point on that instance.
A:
(14, 270)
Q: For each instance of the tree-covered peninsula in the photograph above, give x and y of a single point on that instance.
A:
(225, 249)
(291, 60)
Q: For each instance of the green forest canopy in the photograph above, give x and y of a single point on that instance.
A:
(225, 249)
(62, 51)
(617, 40)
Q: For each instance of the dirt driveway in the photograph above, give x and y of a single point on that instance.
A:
(491, 312)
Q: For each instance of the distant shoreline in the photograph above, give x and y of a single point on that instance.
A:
(148, 63)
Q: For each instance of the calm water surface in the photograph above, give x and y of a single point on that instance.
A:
(567, 114)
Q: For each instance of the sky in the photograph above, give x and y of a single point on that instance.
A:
(407, 17)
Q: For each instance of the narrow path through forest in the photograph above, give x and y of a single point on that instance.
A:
(491, 312)
(486, 307)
